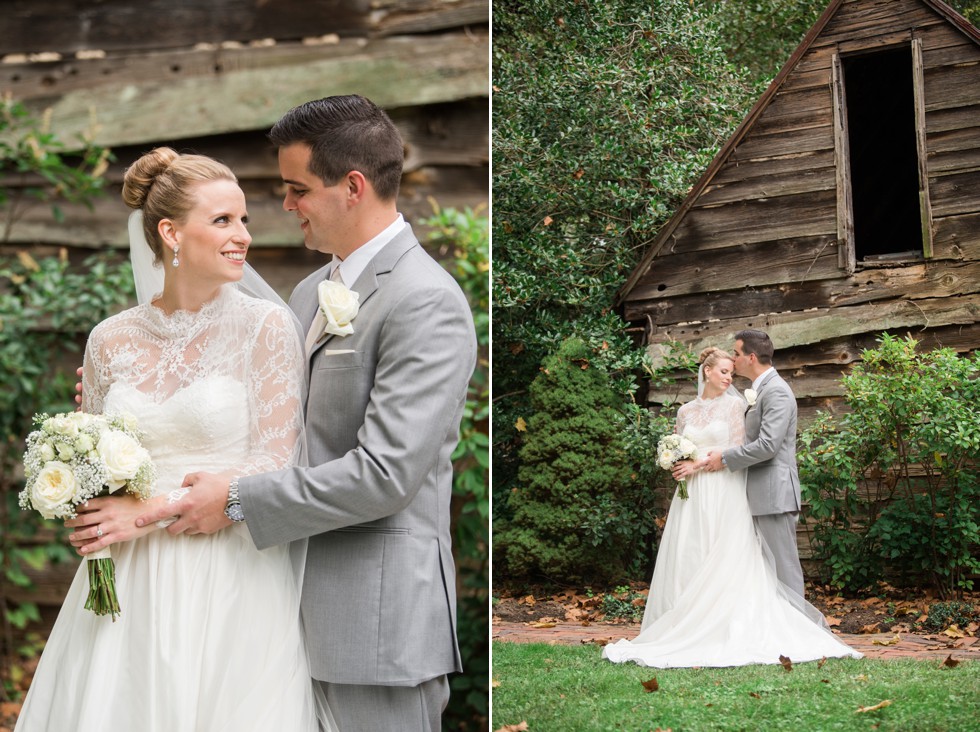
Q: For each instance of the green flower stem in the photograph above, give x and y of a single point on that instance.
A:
(102, 599)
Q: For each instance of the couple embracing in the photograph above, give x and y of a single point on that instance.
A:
(293, 480)
(727, 588)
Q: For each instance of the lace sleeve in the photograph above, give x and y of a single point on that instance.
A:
(736, 422)
(94, 384)
(275, 377)
(681, 420)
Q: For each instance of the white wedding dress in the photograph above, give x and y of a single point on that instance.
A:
(209, 635)
(714, 599)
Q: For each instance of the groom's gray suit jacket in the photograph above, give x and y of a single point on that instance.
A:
(769, 451)
(383, 415)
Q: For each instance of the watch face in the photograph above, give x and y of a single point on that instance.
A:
(234, 512)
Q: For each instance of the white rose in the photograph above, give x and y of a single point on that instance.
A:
(54, 487)
(84, 443)
(751, 396)
(339, 306)
(65, 452)
(47, 452)
(61, 425)
(122, 456)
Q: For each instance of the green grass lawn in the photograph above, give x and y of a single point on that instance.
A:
(569, 689)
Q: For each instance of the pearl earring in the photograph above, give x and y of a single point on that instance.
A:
(176, 262)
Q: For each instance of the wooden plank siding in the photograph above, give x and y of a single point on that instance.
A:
(31, 26)
(756, 243)
(200, 85)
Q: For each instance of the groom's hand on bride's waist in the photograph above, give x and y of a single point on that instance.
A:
(201, 510)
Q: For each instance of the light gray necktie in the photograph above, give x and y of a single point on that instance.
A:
(320, 320)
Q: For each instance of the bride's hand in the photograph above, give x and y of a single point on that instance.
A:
(684, 469)
(102, 522)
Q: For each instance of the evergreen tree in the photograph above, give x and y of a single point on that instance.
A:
(575, 515)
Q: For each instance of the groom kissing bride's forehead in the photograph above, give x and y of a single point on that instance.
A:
(391, 348)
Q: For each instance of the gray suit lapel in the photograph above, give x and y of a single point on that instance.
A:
(370, 279)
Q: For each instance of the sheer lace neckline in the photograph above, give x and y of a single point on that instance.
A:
(181, 321)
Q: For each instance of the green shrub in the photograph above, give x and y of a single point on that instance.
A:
(575, 515)
(892, 485)
(944, 614)
(462, 237)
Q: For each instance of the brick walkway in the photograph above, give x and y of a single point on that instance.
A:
(909, 646)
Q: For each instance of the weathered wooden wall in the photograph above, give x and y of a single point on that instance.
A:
(134, 76)
(756, 243)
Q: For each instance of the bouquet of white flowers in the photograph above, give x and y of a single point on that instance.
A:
(73, 457)
(671, 450)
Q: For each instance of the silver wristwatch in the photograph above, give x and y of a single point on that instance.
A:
(233, 508)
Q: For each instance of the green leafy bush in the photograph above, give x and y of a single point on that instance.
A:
(462, 238)
(892, 485)
(955, 612)
(576, 512)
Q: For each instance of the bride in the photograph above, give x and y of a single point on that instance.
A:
(209, 635)
(714, 599)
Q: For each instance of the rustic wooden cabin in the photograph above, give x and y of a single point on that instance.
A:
(845, 204)
(213, 77)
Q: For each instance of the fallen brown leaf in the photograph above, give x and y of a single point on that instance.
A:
(832, 621)
(754, 695)
(651, 685)
(528, 600)
(520, 727)
(954, 631)
(540, 624)
(889, 642)
(950, 662)
(787, 664)
(494, 684)
(871, 628)
(821, 662)
(547, 221)
(876, 707)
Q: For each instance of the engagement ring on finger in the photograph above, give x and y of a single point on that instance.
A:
(98, 531)
(176, 494)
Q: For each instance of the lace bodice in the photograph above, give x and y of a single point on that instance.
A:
(713, 424)
(218, 389)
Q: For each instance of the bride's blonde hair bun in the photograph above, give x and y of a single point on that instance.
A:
(712, 355)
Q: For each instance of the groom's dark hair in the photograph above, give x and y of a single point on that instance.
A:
(346, 133)
(757, 342)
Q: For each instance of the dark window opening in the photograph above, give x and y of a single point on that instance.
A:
(883, 155)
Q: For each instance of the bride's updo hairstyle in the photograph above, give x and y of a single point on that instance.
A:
(710, 357)
(160, 184)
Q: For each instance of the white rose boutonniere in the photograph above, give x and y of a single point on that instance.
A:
(339, 306)
(751, 397)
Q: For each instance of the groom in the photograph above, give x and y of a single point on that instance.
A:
(769, 455)
(382, 422)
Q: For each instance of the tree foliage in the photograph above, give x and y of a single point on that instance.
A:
(604, 115)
